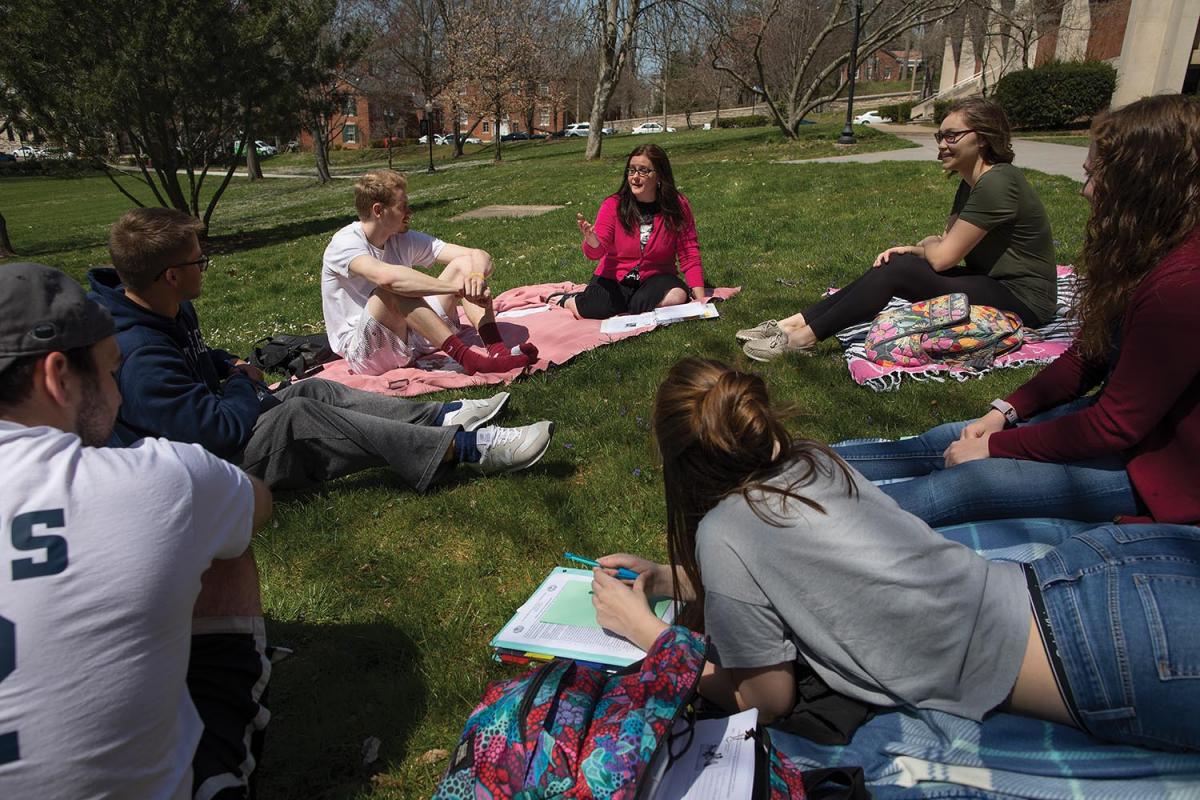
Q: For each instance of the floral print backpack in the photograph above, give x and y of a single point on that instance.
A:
(566, 730)
(945, 330)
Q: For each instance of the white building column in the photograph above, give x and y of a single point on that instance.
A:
(949, 66)
(1157, 48)
(1075, 27)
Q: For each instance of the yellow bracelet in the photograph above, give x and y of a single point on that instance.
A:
(481, 276)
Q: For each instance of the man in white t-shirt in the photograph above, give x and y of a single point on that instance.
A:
(382, 314)
(122, 673)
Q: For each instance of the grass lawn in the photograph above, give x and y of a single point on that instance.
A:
(390, 598)
(1073, 137)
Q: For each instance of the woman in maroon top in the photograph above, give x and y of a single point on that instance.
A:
(641, 233)
(1131, 450)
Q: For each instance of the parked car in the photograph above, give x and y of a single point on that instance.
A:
(870, 118)
(27, 151)
(577, 129)
(515, 136)
(265, 148)
(57, 154)
(7, 156)
(613, 131)
(651, 127)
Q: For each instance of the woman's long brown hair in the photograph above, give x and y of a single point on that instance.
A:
(1145, 175)
(718, 435)
(670, 207)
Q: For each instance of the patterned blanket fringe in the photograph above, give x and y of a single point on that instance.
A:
(891, 381)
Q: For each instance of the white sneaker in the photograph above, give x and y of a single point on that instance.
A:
(475, 414)
(511, 449)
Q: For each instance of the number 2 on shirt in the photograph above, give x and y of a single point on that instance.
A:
(55, 561)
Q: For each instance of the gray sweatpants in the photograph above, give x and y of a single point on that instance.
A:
(323, 430)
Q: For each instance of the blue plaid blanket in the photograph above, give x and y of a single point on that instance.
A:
(929, 754)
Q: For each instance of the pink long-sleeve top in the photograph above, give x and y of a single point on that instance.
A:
(621, 250)
(1149, 407)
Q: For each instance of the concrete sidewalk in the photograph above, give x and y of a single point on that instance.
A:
(1056, 159)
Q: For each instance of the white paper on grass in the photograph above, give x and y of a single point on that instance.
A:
(659, 316)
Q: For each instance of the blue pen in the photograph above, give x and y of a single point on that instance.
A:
(622, 573)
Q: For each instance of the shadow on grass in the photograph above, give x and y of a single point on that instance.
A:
(32, 251)
(253, 239)
(344, 685)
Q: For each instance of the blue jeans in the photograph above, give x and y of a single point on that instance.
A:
(1121, 602)
(1097, 490)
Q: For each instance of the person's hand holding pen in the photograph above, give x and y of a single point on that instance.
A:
(660, 578)
(622, 608)
(588, 230)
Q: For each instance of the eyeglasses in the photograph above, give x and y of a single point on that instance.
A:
(643, 171)
(202, 262)
(951, 137)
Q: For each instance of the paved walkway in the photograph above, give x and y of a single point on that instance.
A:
(1056, 159)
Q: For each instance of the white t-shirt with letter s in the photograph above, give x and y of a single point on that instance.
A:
(101, 552)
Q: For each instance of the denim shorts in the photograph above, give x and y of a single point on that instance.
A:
(1123, 605)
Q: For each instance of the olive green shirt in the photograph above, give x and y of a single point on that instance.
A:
(1018, 249)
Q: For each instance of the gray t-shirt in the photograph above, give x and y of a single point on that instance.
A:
(881, 606)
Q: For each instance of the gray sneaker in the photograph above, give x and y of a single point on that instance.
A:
(772, 347)
(516, 448)
(760, 331)
(474, 414)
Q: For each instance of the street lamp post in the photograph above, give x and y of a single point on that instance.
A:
(847, 136)
(388, 117)
(429, 131)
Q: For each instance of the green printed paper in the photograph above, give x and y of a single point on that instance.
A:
(573, 606)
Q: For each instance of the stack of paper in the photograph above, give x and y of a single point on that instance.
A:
(718, 763)
(560, 621)
(659, 316)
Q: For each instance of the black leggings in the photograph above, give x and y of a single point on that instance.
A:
(605, 297)
(912, 278)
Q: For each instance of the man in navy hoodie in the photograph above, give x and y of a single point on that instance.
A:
(176, 387)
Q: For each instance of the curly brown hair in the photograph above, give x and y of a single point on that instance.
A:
(1145, 182)
(718, 435)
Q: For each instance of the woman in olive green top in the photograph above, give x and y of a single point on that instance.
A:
(997, 225)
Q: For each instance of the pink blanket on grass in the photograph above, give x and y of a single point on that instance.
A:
(523, 316)
(1041, 346)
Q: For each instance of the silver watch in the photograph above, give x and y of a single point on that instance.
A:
(1006, 408)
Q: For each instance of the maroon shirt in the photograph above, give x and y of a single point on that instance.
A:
(1149, 408)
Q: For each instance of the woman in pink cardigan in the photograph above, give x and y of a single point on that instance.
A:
(643, 236)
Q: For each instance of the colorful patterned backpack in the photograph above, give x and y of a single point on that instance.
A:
(946, 330)
(566, 730)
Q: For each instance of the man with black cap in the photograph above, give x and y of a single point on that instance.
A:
(105, 620)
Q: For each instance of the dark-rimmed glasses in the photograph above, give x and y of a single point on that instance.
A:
(951, 137)
(202, 262)
(643, 171)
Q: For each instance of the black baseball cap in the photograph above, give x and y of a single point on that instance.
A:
(44, 310)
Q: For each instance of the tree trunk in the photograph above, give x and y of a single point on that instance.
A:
(496, 135)
(600, 100)
(253, 169)
(321, 156)
(6, 248)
